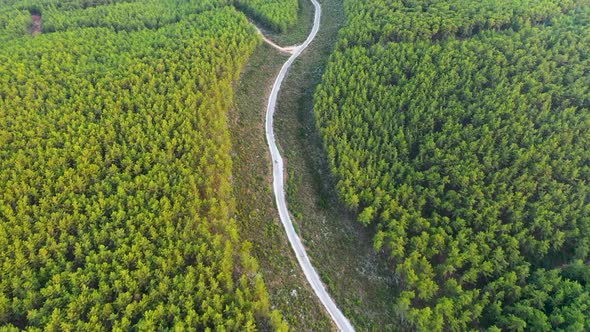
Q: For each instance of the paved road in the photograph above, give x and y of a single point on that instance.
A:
(277, 171)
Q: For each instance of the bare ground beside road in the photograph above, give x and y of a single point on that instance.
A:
(285, 49)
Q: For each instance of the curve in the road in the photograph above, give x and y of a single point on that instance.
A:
(277, 171)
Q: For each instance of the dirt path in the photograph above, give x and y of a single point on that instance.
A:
(310, 273)
(36, 26)
(286, 49)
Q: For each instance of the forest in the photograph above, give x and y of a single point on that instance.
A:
(278, 15)
(459, 131)
(116, 206)
(132, 15)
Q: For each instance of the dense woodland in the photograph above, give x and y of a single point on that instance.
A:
(131, 15)
(115, 171)
(460, 131)
(275, 14)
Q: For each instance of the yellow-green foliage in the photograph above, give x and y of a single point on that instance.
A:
(131, 15)
(115, 179)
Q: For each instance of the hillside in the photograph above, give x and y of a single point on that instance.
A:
(459, 132)
(116, 198)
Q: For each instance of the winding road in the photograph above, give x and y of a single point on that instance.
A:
(277, 171)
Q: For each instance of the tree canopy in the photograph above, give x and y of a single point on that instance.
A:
(131, 15)
(460, 131)
(116, 207)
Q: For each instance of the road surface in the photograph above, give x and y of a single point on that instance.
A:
(277, 171)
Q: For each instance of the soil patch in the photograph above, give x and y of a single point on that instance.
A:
(36, 26)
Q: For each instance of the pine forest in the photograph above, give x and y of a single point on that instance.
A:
(449, 141)
(459, 131)
(115, 175)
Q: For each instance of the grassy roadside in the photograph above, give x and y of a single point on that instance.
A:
(339, 247)
(256, 213)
